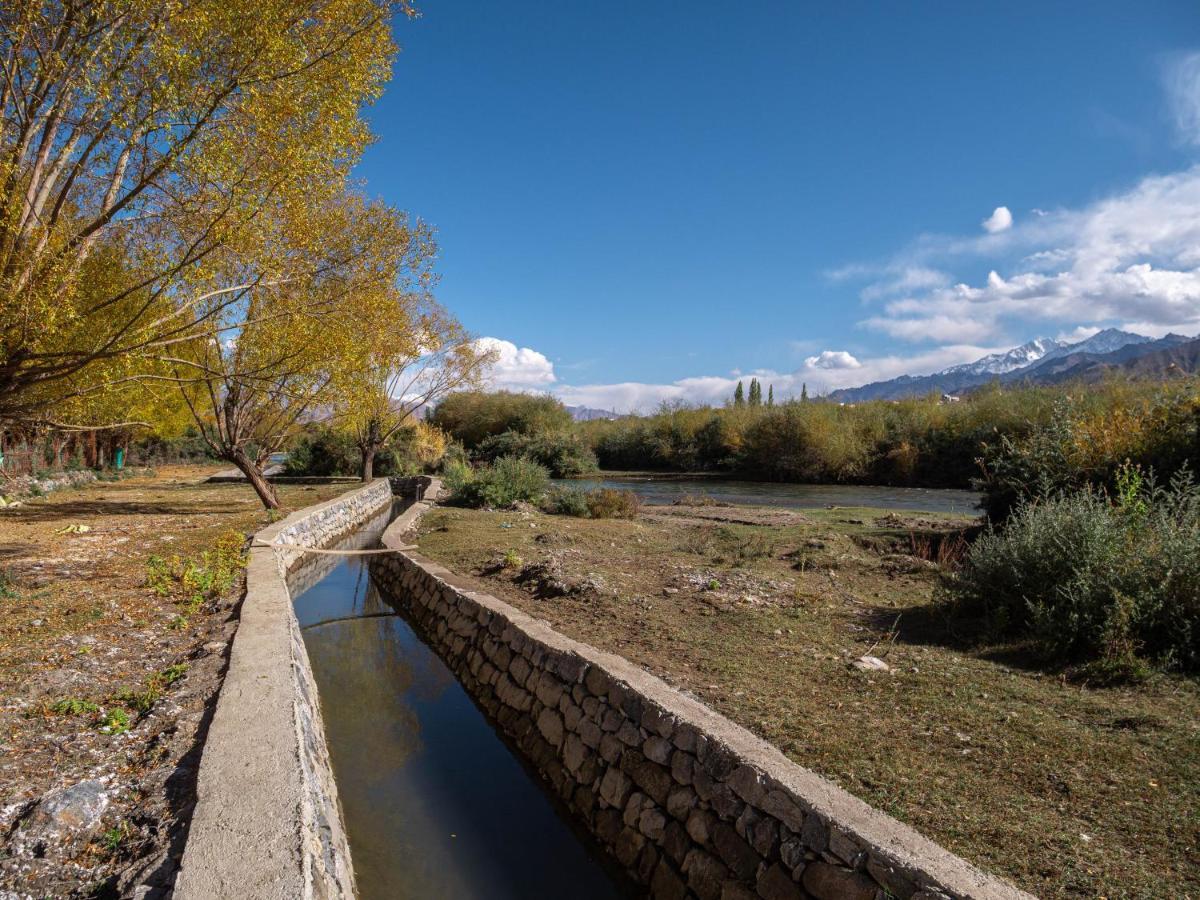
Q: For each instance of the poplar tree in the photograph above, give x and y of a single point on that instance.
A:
(804, 391)
(771, 395)
(739, 396)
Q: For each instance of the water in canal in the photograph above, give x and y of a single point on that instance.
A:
(436, 805)
(662, 489)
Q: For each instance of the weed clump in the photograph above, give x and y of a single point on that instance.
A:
(193, 582)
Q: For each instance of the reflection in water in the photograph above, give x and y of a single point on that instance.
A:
(435, 804)
(665, 489)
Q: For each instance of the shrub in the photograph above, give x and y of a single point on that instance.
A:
(506, 481)
(1090, 579)
(563, 453)
(322, 451)
(566, 501)
(606, 503)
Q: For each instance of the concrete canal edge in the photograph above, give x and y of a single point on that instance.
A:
(267, 824)
(686, 801)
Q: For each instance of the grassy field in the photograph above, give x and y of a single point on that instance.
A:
(1067, 789)
(101, 677)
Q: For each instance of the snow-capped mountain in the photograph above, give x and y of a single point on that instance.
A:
(1105, 341)
(1035, 361)
(1016, 358)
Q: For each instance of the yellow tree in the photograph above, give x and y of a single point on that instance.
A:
(307, 293)
(159, 132)
(415, 355)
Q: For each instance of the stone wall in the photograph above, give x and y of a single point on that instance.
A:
(267, 823)
(687, 802)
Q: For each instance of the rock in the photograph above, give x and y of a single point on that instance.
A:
(776, 883)
(735, 852)
(826, 882)
(65, 814)
(871, 664)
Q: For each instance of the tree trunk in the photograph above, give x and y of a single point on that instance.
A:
(368, 463)
(262, 487)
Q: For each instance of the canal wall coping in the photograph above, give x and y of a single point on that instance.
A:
(688, 803)
(267, 824)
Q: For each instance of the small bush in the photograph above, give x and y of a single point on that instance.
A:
(1093, 580)
(508, 480)
(739, 547)
(606, 503)
(566, 501)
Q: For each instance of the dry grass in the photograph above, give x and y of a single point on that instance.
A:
(81, 628)
(1068, 790)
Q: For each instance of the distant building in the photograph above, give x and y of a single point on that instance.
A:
(950, 398)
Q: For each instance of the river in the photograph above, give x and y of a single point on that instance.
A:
(664, 489)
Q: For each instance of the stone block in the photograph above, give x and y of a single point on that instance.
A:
(738, 855)
(574, 753)
(615, 788)
(658, 749)
(649, 776)
(611, 750)
(684, 737)
(590, 733)
(657, 720)
(629, 734)
(829, 882)
(675, 842)
(815, 834)
(784, 808)
(596, 681)
(680, 802)
(681, 767)
(699, 825)
(747, 783)
(705, 874)
(775, 883)
(628, 845)
(652, 823)
(633, 808)
(550, 724)
(666, 883)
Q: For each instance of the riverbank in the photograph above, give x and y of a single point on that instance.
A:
(108, 683)
(1066, 790)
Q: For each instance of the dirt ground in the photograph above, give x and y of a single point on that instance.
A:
(1067, 789)
(106, 686)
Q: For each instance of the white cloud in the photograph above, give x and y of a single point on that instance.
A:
(1130, 258)
(1182, 79)
(832, 359)
(1000, 220)
(517, 368)
(817, 374)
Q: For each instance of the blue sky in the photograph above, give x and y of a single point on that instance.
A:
(644, 200)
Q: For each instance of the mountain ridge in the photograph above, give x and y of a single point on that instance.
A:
(1036, 360)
